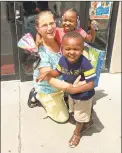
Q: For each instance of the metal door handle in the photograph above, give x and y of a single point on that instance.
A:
(17, 14)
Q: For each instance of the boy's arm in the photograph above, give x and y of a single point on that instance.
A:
(48, 75)
(84, 87)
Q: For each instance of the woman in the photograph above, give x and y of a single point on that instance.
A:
(49, 51)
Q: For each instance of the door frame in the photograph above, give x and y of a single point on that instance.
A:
(20, 31)
(111, 34)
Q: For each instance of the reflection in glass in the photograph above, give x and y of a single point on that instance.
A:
(7, 62)
(31, 9)
(101, 40)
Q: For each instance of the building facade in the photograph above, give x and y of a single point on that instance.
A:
(115, 65)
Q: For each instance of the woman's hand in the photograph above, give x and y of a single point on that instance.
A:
(77, 82)
(82, 88)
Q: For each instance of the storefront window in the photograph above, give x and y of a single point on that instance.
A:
(101, 12)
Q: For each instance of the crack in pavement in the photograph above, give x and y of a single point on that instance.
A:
(19, 136)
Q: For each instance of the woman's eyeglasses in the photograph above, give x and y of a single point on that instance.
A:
(45, 26)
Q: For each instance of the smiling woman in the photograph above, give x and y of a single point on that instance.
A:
(49, 50)
(45, 25)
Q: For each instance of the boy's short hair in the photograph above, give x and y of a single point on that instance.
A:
(73, 34)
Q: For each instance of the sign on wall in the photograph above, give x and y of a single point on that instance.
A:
(100, 10)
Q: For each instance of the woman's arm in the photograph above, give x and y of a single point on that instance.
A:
(82, 88)
(59, 84)
(47, 74)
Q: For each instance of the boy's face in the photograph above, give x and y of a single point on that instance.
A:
(72, 49)
(69, 21)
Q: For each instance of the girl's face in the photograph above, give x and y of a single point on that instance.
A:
(46, 26)
(69, 21)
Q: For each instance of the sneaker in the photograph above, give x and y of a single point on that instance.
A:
(32, 101)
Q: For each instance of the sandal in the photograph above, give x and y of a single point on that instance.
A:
(74, 141)
(33, 103)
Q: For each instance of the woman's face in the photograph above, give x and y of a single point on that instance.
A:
(46, 26)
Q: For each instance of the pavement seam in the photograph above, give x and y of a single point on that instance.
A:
(19, 136)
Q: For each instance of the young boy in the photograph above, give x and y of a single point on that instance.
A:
(70, 66)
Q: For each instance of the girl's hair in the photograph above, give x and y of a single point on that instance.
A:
(72, 10)
(48, 11)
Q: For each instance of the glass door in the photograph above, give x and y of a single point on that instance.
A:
(9, 66)
(25, 13)
(101, 12)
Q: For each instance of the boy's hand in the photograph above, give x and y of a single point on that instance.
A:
(42, 77)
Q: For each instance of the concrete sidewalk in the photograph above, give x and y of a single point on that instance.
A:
(23, 129)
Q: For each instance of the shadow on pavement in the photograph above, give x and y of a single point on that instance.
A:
(97, 126)
(98, 95)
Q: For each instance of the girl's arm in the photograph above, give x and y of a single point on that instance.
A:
(91, 36)
(38, 40)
